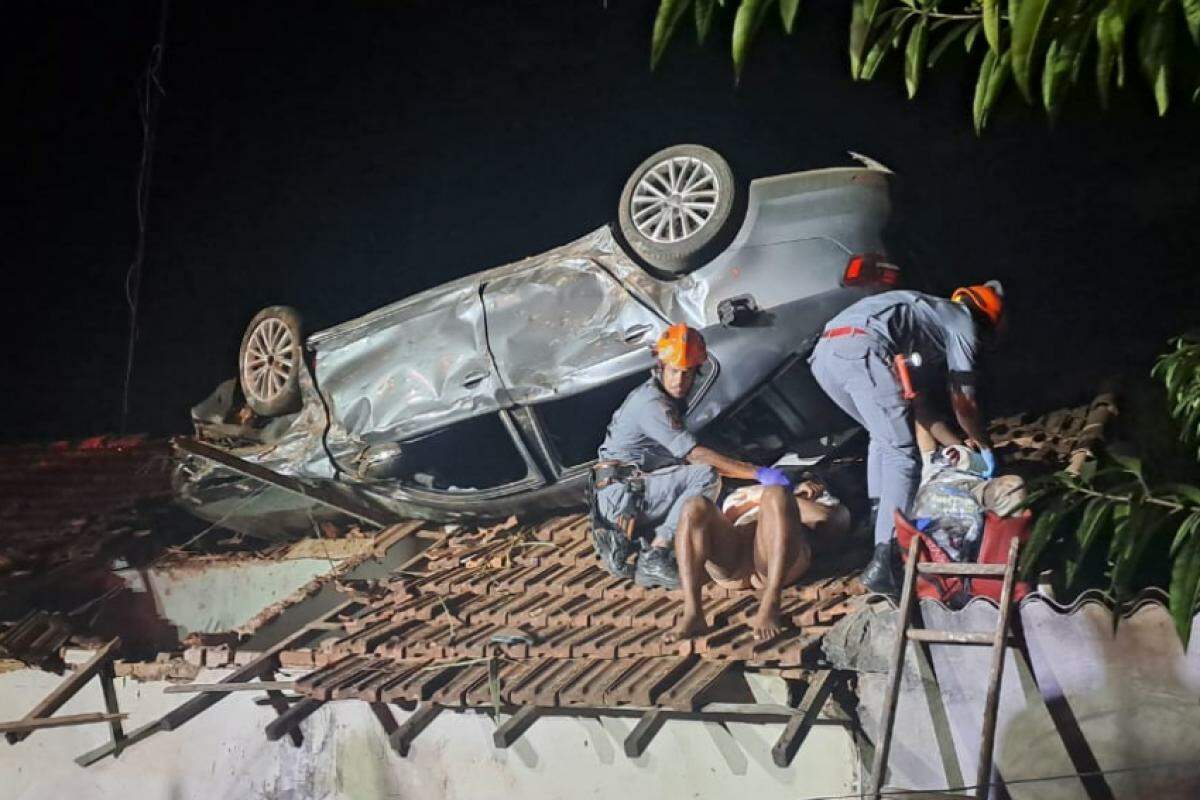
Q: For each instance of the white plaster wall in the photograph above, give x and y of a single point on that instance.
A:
(224, 755)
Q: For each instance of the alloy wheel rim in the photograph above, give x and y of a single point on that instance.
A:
(270, 360)
(674, 199)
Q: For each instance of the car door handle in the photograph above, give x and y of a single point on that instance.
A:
(635, 333)
(473, 380)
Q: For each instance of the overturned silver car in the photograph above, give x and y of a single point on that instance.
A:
(489, 395)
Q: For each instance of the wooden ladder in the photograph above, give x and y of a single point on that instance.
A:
(996, 639)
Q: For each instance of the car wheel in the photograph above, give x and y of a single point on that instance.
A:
(678, 208)
(269, 361)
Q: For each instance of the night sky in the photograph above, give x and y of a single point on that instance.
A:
(340, 159)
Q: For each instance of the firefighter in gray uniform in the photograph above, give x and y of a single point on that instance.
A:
(650, 464)
(855, 362)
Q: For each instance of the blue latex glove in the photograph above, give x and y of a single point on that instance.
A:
(770, 476)
(989, 459)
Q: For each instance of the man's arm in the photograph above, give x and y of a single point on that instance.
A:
(966, 411)
(726, 466)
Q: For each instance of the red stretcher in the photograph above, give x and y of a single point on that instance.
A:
(998, 532)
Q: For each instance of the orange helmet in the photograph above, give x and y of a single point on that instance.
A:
(681, 347)
(985, 299)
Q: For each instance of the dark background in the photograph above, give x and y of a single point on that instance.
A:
(337, 160)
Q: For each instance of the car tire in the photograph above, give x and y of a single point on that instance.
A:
(670, 237)
(270, 360)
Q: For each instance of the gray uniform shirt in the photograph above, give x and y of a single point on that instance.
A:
(904, 321)
(648, 430)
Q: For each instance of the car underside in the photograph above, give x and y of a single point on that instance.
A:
(489, 395)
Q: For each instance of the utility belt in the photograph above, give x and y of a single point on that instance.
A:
(899, 362)
(607, 473)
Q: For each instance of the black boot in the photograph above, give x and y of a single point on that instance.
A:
(656, 567)
(613, 548)
(880, 573)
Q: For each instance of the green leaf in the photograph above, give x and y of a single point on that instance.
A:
(880, 47)
(1133, 466)
(1191, 12)
(749, 19)
(1054, 76)
(787, 10)
(972, 35)
(859, 27)
(665, 23)
(1039, 538)
(704, 18)
(1185, 586)
(914, 55)
(1064, 58)
(948, 39)
(992, 74)
(1143, 524)
(1026, 19)
(1186, 491)
(1097, 512)
(870, 7)
(991, 24)
(1155, 40)
(1185, 531)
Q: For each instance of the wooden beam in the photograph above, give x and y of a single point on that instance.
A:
(991, 707)
(178, 716)
(957, 568)
(648, 726)
(29, 725)
(68, 688)
(287, 698)
(275, 698)
(293, 716)
(254, 669)
(116, 732)
(108, 749)
(402, 738)
(387, 720)
(948, 637)
(515, 726)
(245, 686)
(389, 537)
(802, 721)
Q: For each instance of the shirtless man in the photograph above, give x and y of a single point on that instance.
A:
(739, 549)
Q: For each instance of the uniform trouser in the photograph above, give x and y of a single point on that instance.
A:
(854, 372)
(665, 491)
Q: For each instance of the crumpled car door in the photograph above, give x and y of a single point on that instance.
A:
(411, 367)
(565, 325)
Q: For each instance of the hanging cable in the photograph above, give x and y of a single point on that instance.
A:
(149, 94)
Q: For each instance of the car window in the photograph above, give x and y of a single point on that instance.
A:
(475, 454)
(576, 425)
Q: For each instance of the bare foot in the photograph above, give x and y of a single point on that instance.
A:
(691, 625)
(766, 623)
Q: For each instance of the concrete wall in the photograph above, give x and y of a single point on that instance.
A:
(223, 755)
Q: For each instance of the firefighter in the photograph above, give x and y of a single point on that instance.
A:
(854, 362)
(650, 464)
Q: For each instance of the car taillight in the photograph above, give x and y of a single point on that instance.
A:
(870, 269)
